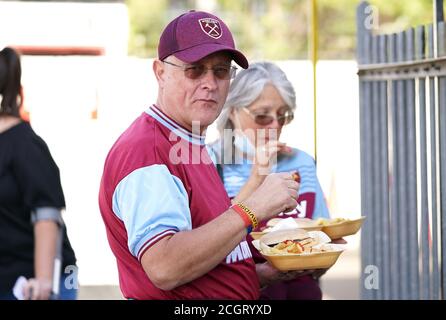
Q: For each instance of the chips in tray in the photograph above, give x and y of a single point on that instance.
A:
(298, 249)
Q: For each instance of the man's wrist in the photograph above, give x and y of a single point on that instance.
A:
(247, 215)
(255, 207)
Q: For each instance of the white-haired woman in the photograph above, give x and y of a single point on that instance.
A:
(260, 102)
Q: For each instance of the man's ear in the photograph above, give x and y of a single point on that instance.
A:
(158, 70)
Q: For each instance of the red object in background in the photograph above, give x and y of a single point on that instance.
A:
(25, 115)
(94, 114)
(23, 112)
(60, 50)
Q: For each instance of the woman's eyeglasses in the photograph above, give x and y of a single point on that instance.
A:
(197, 71)
(264, 119)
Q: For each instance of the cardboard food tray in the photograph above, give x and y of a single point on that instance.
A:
(344, 228)
(320, 260)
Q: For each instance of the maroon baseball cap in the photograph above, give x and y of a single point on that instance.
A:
(195, 35)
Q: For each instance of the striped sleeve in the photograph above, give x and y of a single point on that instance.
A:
(153, 204)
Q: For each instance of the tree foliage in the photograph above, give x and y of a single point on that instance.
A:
(276, 29)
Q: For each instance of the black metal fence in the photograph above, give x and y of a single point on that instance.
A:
(402, 83)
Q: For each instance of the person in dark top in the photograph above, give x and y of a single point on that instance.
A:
(33, 238)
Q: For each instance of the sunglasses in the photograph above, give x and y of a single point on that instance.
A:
(197, 71)
(264, 119)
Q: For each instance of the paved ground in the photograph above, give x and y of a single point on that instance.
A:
(342, 281)
(100, 293)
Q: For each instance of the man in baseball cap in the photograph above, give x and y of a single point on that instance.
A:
(168, 218)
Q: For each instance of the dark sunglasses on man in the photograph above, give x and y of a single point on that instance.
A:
(196, 71)
(264, 119)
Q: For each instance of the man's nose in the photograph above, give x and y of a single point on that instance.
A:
(208, 80)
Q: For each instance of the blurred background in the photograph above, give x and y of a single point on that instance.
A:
(87, 74)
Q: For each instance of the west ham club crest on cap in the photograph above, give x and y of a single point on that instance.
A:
(211, 27)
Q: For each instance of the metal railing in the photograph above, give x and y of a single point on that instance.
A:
(402, 90)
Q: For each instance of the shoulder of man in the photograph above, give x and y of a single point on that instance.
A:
(140, 145)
